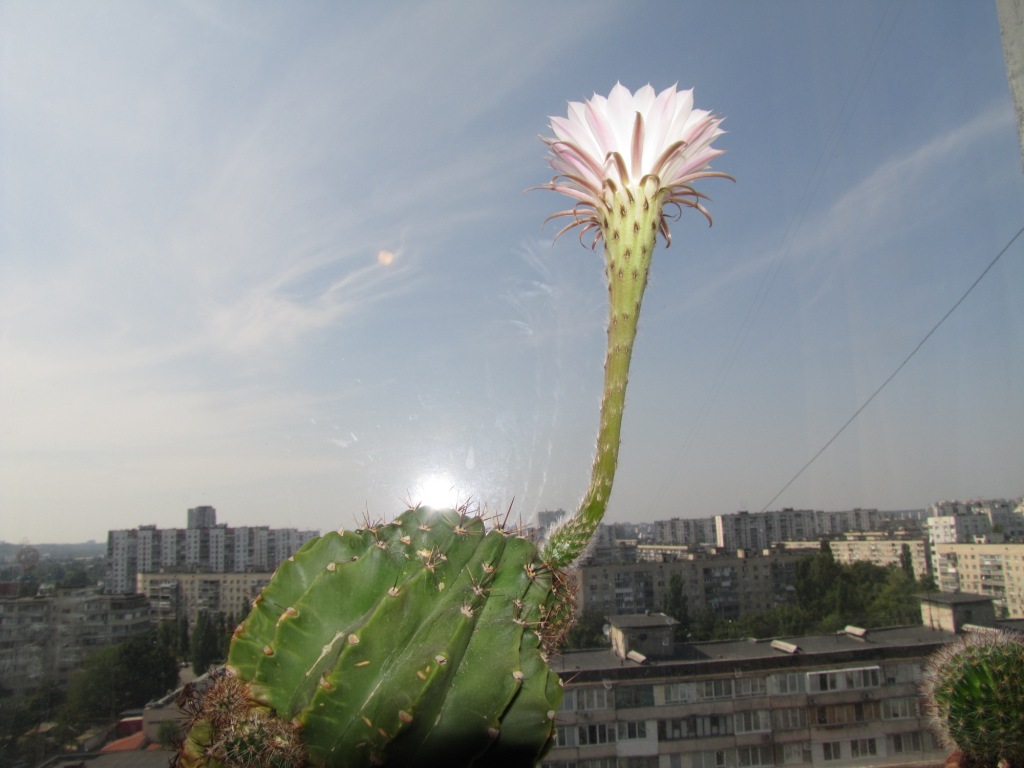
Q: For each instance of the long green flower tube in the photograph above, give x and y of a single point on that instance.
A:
(624, 159)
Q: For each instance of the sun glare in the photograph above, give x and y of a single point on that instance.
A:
(438, 491)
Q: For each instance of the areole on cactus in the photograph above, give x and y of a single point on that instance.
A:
(425, 640)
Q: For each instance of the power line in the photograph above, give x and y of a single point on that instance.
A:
(854, 94)
(898, 369)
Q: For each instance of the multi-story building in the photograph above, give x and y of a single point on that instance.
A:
(47, 638)
(845, 699)
(173, 595)
(203, 547)
(680, 531)
(993, 570)
(981, 521)
(729, 583)
(758, 530)
(877, 548)
(959, 529)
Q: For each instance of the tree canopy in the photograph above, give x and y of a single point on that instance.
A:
(120, 677)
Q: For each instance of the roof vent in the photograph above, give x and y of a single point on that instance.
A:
(782, 645)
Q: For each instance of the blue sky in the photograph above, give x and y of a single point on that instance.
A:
(279, 259)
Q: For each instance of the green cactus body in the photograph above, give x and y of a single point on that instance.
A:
(975, 698)
(421, 640)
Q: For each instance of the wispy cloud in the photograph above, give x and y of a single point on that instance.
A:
(902, 189)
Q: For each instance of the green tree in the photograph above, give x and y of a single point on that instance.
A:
(907, 561)
(703, 626)
(120, 677)
(677, 605)
(587, 632)
(815, 582)
(183, 638)
(229, 629)
(895, 602)
(167, 635)
(74, 577)
(206, 644)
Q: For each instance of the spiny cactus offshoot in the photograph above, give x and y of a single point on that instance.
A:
(975, 698)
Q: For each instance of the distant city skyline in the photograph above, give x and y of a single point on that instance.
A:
(102, 539)
(281, 261)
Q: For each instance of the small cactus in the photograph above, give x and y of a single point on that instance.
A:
(423, 639)
(974, 697)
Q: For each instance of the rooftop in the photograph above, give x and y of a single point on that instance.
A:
(641, 620)
(720, 657)
(955, 598)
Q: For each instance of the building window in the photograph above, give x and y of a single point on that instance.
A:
(790, 718)
(637, 762)
(841, 714)
(862, 748)
(754, 757)
(752, 721)
(708, 759)
(674, 730)
(565, 736)
(843, 680)
(718, 689)
(789, 682)
(750, 686)
(831, 750)
(680, 693)
(695, 727)
(628, 696)
(793, 754)
(595, 734)
(898, 709)
(633, 729)
(905, 742)
(591, 698)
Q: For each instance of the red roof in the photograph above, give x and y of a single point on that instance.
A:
(127, 744)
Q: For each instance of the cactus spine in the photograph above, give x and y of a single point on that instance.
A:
(974, 697)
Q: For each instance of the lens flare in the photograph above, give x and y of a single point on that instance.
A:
(438, 491)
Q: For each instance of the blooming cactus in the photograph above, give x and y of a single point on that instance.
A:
(425, 640)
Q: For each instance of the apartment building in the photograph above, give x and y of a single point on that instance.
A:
(958, 529)
(680, 531)
(874, 547)
(203, 547)
(835, 700)
(970, 522)
(992, 570)
(729, 583)
(758, 530)
(47, 638)
(173, 595)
